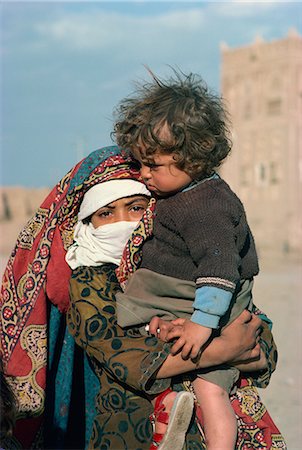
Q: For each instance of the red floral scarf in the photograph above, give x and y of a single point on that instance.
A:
(37, 272)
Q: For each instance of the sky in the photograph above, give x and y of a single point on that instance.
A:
(66, 65)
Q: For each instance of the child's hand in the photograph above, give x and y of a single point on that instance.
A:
(191, 337)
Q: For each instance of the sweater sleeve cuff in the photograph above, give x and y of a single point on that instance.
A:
(210, 304)
(204, 319)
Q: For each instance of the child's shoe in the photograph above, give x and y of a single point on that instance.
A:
(178, 421)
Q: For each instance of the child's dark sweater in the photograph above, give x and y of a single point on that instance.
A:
(202, 235)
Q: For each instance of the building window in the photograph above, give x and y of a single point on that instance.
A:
(266, 173)
(247, 112)
(273, 173)
(6, 210)
(260, 174)
(244, 181)
(274, 107)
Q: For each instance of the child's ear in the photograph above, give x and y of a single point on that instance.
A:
(176, 157)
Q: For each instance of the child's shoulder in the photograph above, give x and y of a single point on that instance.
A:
(213, 196)
(212, 188)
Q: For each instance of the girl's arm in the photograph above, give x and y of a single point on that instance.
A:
(238, 344)
(142, 362)
(127, 357)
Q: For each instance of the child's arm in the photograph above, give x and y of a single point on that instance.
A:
(191, 339)
(210, 305)
(238, 342)
(256, 362)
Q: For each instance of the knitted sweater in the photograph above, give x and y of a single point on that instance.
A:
(202, 235)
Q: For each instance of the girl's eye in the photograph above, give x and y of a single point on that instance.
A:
(137, 208)
(104, 213)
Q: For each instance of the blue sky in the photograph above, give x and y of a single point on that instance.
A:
(65, 66)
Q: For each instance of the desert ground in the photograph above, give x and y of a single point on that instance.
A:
(277, 292)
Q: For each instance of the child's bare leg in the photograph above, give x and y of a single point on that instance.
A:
(220, 424)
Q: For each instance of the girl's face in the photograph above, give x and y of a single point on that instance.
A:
(128, 209)
(161, 175)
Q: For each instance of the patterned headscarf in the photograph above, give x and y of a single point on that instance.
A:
(37, 263)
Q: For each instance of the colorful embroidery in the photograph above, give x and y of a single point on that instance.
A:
(32, 229)
(37, 270)
(133, 250)
(26, 388)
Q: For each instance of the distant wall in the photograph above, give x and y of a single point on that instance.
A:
(17, 206)
(262, 86)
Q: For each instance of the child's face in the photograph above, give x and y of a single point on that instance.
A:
(160, 173)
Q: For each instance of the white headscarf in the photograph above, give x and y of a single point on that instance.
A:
(104, 193)
(105, 244)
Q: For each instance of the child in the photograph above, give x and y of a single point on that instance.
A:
(202, 249)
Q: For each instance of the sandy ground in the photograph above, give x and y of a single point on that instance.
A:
(278, 292)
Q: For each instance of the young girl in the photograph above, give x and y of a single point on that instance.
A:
(201, 260)
(108, 214)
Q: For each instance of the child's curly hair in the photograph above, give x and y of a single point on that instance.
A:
(195, 118)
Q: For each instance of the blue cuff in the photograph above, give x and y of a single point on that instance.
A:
(210, 304)
(204, 319)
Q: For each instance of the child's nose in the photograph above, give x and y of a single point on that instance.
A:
(145, 172)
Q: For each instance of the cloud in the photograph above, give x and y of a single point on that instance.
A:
(243, 8)
(66, 65)
(81, 31)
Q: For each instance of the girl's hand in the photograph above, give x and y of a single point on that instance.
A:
(254, 364)
(240, 339)
(160, 328)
